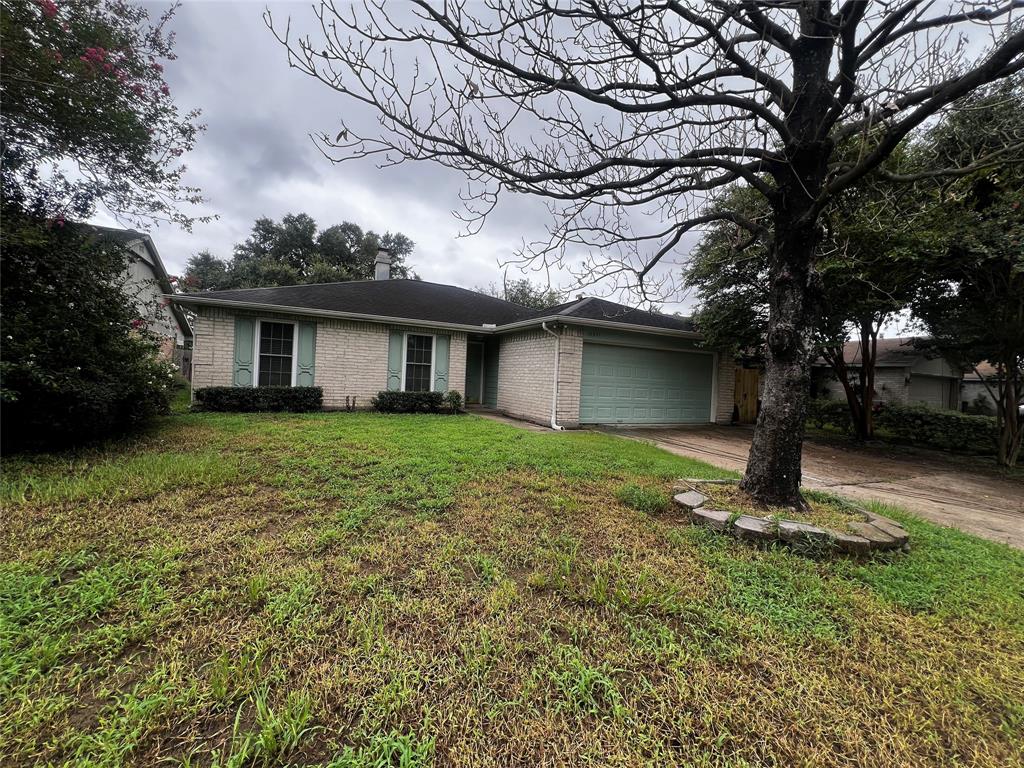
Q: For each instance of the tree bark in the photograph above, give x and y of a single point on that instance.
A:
(774, 464)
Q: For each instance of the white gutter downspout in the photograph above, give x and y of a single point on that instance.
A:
(554, 384)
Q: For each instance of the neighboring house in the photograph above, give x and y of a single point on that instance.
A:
(148, 286)
(903, 374)
(588, 361)
(973, 387)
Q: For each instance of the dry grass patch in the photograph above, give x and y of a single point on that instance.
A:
(364, 590)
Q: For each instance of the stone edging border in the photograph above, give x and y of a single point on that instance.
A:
(875, 534)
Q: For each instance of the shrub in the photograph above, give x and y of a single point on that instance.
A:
(946, 430)
(824, 412)
(643, 498)
(250, 399)
(76, 360)
(454, 401)
(408, 402)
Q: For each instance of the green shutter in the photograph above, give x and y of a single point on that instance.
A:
(441, 344)
(395, 354)
(307, 355)
(245, 344)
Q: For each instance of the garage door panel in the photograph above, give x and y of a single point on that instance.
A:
(627, 385)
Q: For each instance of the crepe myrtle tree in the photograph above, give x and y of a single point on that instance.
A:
(627, 117)
(87, 119)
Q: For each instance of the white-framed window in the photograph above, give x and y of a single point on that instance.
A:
(418, 363)
(276, 353)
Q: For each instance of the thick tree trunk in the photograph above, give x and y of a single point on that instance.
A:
(774, 464)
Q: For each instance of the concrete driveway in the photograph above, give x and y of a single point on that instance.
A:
(959, 491)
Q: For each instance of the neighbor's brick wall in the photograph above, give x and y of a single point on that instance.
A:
(726, 382)
(890, 385)
(525, 363)
(351, 357)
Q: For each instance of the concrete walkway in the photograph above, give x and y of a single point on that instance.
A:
(960, 491)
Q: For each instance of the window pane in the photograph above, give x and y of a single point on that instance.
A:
(418, 358)
(417, 378)
(276, 341)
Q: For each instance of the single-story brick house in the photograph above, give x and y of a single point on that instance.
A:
(588, 361)
(903, 374)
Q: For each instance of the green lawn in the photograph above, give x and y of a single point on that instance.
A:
(364, 590)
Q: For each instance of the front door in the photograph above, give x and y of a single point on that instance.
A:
(475, 372)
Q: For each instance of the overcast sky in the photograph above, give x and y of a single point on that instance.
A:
(256, 159)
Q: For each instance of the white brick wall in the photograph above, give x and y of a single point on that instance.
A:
(351, 357)
(525, 372)
(351, 361)
(525, 362)
(213, 348)
(570, 375)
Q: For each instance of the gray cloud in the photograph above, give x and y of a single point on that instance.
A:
(256, 158)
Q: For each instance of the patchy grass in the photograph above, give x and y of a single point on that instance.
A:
(355, 590)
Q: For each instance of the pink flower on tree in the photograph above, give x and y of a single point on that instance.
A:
(48, 7)
(165, 89)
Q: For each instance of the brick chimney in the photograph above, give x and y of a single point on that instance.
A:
(382, 265)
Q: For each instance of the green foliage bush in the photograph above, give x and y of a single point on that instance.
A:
(76, 361)
(454, 401)
(914, 425)
(643, 498)
(947, 430)
(824, 412)
(409, 402)
(250, 399)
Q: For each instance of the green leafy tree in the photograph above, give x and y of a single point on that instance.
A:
(973, 308)
(78, 363)
(206, 270)
(865, 270)
(523, 292)
(294, 252)
(87, 121)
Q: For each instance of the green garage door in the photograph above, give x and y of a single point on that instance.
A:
(626, 385)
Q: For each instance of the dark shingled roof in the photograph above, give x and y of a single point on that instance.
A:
(410, 299)
(435, 302)
(890, 353)
(601, 309)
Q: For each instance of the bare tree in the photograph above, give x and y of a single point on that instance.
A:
(627, 117)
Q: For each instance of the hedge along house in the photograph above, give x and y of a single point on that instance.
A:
(585, 362)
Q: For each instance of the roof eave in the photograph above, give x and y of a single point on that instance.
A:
(190, 298)
(196, 299)
(594, 323)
